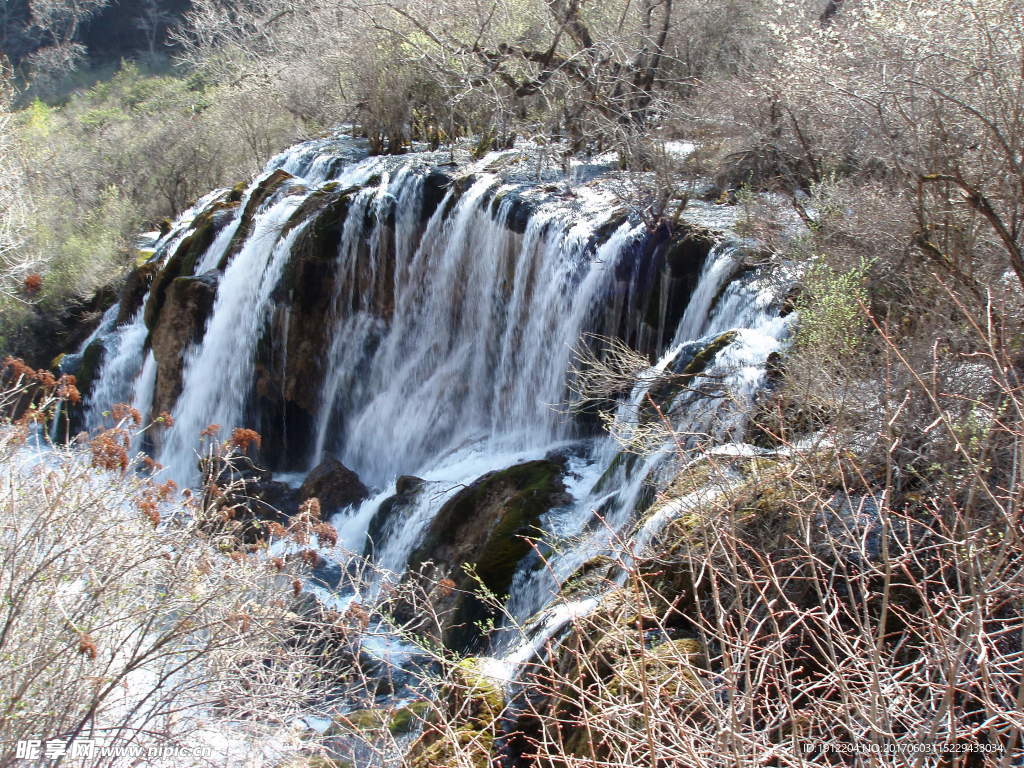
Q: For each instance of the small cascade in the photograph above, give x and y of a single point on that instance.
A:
(122, 365)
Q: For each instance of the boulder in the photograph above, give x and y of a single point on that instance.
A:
(334, 484)
(486, 526)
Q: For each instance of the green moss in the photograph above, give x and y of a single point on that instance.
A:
(623, 464)
(669, 671)
(92, 358)
(588, 578)
(319, 761)
(487, 700)
(264, 190)
(366, 719)
(506, 545)
(478, 701)
(408, 718)
(667, 392)
(481, 534)
(703, 358)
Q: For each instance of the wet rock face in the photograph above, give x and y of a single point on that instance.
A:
(487, 526)
(306, 294)
(134, 290)
(187, 304)
(653, 284)
(334, 484)
(187, 255)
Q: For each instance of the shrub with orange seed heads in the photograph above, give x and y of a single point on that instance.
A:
(276, 530)
(152, 464)
(326, 533)
(277, 563)
(310, 557)
(19, 434)
(242, 619)
(165, 419)
(297, 587)
(32, 283)
(166, 490)
(243, 438)
(123, 411)
(210, 430)
(109, 449)
(32, 416)
(238, 557)
(150, 510)
(67, 389)
(311, 508)
(86, 645)
(46, 379)
(15, 368)
(445, 587)
(358, 613)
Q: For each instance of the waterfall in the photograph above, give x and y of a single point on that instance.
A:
(121, 367)
(218, 372)
(444, 347)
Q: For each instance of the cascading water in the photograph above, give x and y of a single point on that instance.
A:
(218, 373)
(448, 346)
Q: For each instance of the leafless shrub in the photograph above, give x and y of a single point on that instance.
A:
(127, 619)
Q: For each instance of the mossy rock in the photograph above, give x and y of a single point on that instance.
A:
(487, 700)
(264, 191)
(408, 718)
(704, 358)
(328, 210)
(670, 671)
(317, 761)
(486, 528)
(622, 465)
(476, 705)
(666, 391)
(183, 261)
(392, 511)
(362, 720)
(89, 367)
(590, 578)
(134, 290)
